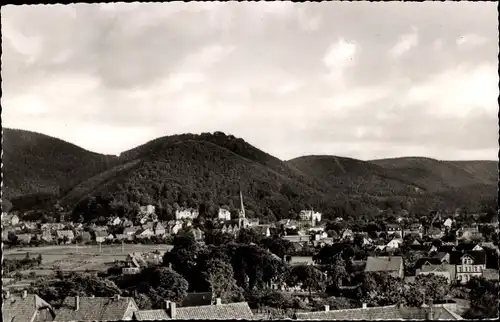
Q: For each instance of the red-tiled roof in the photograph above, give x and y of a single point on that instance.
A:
(94, 309)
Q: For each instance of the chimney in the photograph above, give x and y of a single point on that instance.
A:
(218, 301)
(173, 311)
(167, 304)
(327, 308)
(25, 293)
(364, 306)
(77, 303)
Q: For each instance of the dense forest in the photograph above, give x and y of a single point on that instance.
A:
(207, 171)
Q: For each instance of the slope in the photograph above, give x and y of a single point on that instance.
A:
(37, 164)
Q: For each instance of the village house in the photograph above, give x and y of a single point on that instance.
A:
(26, 308)
(347, 234)
(435, 233)
(148, 210)
(24, 238)
(448, 223)
(114, 221)
(130, 231)
(183, 214)
(414, 230)
(297, 238)
(148, 225)
(224, 214)
(467, 232)
(27, 225)
(468, 264)
(159, 229)
(392, 229)
(46, 236)
(100, 236)
(144, 233)
(9, 219)
(65, 235)
(310, 215)
(80, 308)
(445, 270)
(392, 265)
(394, 243)
(218, 311)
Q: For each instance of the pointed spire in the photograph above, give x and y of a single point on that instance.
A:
(242, 207)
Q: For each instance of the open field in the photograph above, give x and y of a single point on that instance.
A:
(88, 257)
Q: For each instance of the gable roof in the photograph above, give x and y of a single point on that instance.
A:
(479, 257)
(383, 264)
(15, 308)
(94, 309)
(380, 313)
(466, 246)
(151, 315)
(229, 311)
(427, 261)
(197, 299)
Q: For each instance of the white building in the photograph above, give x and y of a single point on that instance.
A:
(224, 214)
(310, 215)
(147, 210)
(182, 214)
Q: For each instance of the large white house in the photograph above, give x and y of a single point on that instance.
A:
(310, 215)
(182, 214)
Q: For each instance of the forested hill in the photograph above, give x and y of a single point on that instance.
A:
(35, 164)
(206, 171)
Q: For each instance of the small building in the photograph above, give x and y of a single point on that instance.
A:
(26, 308)
(443, 270)
(392, 229)
(299, 260)
(389, 264)
(144, 233)
(66, 235)
(24, 238)
(310, 215)
(224, 214)
(89, 309)
(183, 214)
(100, 236)
(394, 243)
(435, 233)
(159, 229)
(9, 219)
(130, 231)
(347, 234)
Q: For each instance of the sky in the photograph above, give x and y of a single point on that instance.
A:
(365, 80)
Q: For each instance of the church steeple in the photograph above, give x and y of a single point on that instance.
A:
(242, 221)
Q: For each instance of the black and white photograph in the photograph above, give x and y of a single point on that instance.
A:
(332, 160)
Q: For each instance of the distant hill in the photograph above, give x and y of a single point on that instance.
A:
(437, 175)
(208, 170)
(36, 164)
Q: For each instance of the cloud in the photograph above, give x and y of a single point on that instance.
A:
(405, 43)
(292, 79)
(471, 40)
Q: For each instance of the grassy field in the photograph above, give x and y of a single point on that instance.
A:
(89, 257)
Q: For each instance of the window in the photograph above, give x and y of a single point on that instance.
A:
(459, 269)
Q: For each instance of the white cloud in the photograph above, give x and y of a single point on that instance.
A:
(459, 91)
(471, 40)
(405, 43)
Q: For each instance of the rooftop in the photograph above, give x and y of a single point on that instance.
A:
(94, 309)
(383, 264)
(16, 308)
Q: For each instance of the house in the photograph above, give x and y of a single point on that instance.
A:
(263, 230)
(9, 220)
(114, 221)
(81, 308)
(144, 233)
(100, 236)
(130, 231)
(183, 214)
(448, 223)
(347, 234)
(468, 264)
(24, 238)
(413, 230)
(86, 237)
(175, 228)
(435, 233)
(392, 312)
(26, 308)
(297, 238)
(28, 225)
(467, 232)
(148, 225)
(198, 234)
(394, 243)
(46, 236)
(65, 235)
(445, 270)
(389, 264)
(300, 260)
(159, 229)
(146, 210)
(224, 214)
(219, 311)
(110, 237)
(310, 215)
(391, 229)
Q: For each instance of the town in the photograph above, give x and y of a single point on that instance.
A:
(239, 268)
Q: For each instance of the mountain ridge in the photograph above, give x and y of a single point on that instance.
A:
(207, 170)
